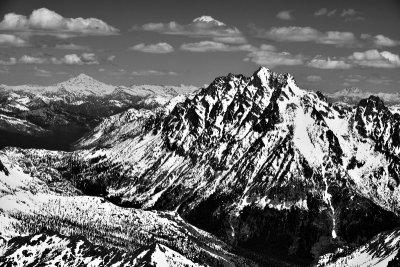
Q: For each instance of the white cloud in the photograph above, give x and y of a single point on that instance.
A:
(31, 60)
(321, 63)
(70, 59)
(313, 78)
(380, 40)
(211, 46)
(89, 58)
(306, 34)
(268, 56)
(10, 61)
(374, 58)
(204, 26)
(11, 40)
(152, 73)
(159, 48)
(111, 58)
(71, 47)
(321, 12)
(45, 21)
(349, 14)
(285, 15)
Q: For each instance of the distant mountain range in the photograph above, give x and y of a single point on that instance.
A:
(55, 116)
(354, 95)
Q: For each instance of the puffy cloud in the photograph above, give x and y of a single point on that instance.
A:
(45, 21)
(11, 40)
(379, 40)
(14, 21)
(268, 56)
(349, 12)
(211, 46)
(89, 58)
(306, 34)
(159, 48)
(152, 73)
(376, 59)
(32, 60)
(321, 12)
(70, 59)
(321, 63)
(111, 58)
(313, 78)
(10, 61)
(285, 15)
(204, 26)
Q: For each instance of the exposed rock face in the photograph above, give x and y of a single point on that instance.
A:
(256, 160)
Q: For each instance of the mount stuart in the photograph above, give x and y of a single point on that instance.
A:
(250, 171)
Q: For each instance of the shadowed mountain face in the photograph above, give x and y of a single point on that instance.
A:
(54, 117)
(272, 169)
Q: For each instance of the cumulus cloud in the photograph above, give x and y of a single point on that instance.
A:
(32, 60)
(45, 21)
(328, 63)
(376, 59)
(305, 34)
(313, 78)
(10, 61)
(8, 40)
(69, 59)
(285, 15)
(159, 48)
(204, 26)
(379, 40)
(268, 56)
(211, 46)
(152, 73)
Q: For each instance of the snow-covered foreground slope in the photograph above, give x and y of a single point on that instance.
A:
(52, 249)
(30, 204)
(275, 170)
(381, 251)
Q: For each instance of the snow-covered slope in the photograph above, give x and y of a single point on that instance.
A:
(381, 251)
(271, 168)
(33, 198)
(258, 161)
(52, 249)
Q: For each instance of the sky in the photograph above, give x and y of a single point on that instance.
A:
(325, 45)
